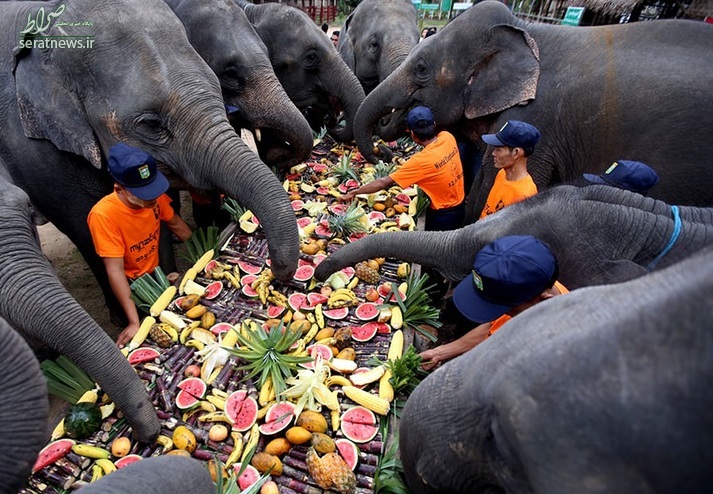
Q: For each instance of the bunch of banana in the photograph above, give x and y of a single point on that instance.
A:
(251, 444)
(319, 316)
(267, 392)
(215, 417)
(237, 448)
(262, 285)
(342, 297)
(277, 298)
(232, 279)
(309, 336)
(166, 442)
(299, 351)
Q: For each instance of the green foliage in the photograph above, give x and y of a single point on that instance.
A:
(201, 242)
(147, 288)
(234, 208)
(389, 473)
(417, 308)
(65, 379)
(343, 171)
(406, 371)
(382, 169)
(352, 221)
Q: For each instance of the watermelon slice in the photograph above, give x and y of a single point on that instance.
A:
(364, 332)
(376, 216)
(342, 188)
(303, 222)
(322, 231)
(336, 314)
(221, 327)
(356, 236)
(314, 299)
(249, 476)
(210, 266)
(297, 300)
(317, 258)
(241, 409)
(297, 205)
(317, 350)
(366, 312)
(403, 199)
(385, 291)
(338, 208)
(213, 290)
(142, 355)
(320, 167)
(127, 460)
(359, 424)
(248, 268)
(248, 291)
(278, 417)
(323, 191)
(194, 386)
(275, 311)
(304, 273)
(349, 271)
(351, 184)
(348, 451)
(185, 400)
(52, 452)
(381, 327)
(248, 279)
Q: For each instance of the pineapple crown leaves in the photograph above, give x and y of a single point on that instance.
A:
(343, 170)
(382, 169)
(265, 353)
(343, 225)
(233, 207)
(417, 308)
(201, 242)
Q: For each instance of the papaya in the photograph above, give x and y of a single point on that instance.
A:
(347, 354)
(278, 447)
(207, 320)
(189, 301)
(312, 421)
(298, 435)
(322, 443)
(264, 462)
(196, 312)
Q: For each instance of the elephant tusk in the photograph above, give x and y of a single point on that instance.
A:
(258, 135)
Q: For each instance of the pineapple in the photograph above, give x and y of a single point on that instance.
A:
(343, 171)
(331, 472)
(367, 274)
(160, 336)
(343, 225)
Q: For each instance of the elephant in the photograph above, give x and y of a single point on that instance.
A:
(595, 94)
(222, 35)
(309, 68)
(598, 391)
(159, 475)
(138, 81)
(598, 233)
(34, 302)
(377, 37)
(23, 409)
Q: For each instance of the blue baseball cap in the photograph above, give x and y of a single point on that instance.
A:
(506, 273)
(420, 117)
(136, 170)
(515, 134)
(630, 175)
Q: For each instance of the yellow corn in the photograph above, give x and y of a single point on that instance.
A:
(396, 348)
(58, 431)
(90, 396)
(190, 275)
(204, 259)
(368, 400)
(142, 333)
(162, 302)
(397, 318)
(386, 390)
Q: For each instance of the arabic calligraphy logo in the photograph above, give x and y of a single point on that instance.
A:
(42, 21)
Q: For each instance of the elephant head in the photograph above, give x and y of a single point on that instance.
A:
(138, 82)
(23, 409)
(588, 392)
(222, 35)
(34, 303)
(599, 234)
(309, 68)
(377, 37)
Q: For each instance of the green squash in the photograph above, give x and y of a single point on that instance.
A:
(82, 420)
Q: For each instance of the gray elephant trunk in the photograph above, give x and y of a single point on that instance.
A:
(374, 107)
(341, 82)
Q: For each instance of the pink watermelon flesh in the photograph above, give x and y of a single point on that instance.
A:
(376, 216)
(248, 291)
(359, 424)
(385, 289)
(338, 208)
(364, 332)
(194, 386)
(248, 268)
(317, 349)
(297, 205)
(248, 279)
(322, 231)
(274, 311)
(127, 460)
(351, 183)
(320, 168)
(143, 355)
(241, 409)
(221, 327)
(303, 222)
(213, 290)
(403, 199)
(366, 312)
(209, 267)
(315, 299)
(356, 236)
(318, 258)
(297, 300)
(52, 452)
(336, 314)
(323, 190)
(349, 271)
(304, 273)
(185, 400)
(278, 417)
(381, 327)
(249, 476)
(349, 451)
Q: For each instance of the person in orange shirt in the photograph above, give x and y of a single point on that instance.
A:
(509, 276)
(125, 225)
(436, 169)
(512, 145)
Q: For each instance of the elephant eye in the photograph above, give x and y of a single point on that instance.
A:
(373, 45)
(151, 126)
(231, 79)
(422, 71)
(310, 60)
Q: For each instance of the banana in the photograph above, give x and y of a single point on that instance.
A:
(353, 283)
(207, 406)
(198, 345)
(90, 451)
(338, 381)
(319, 316)
(106, 465)
(301, 345)
(280, 299)
(170, 331)
(335, 416)
(311, 334)
(217, 401)
(265, 391)
(97, 473)
(252, 441)
(237, 449)
(263, 411)
(166, 442)
(215, 417)
(185, 333)
(220, 394)
(235, 282)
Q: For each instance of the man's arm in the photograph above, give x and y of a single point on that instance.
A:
(375, 186)
(120, 287)
(431, 358)
(179, 227)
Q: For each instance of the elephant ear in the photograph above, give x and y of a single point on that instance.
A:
(508, 77)
(49, 109)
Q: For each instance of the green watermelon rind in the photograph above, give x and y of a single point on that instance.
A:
(350, 428)
(349, 452)
(185, 400)
(45, 458)
(150, 354)
(364, 309)
(127, 460)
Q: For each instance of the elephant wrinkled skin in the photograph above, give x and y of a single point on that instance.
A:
(599, 234)
(602, 390)
(638, 91)
(34, 303)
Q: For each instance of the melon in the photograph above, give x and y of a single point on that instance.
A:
(213, 290)
(348, 451)
(336, 314)
(323, 191)
(297, 205)
(303, 222)
(356, 236)
(194, 386)
(381, 327)
(366, 312)
(364, 332)
(210, 266)
(221, 327)
(304, 273)
(338, 208)
(127, 460)
(320, 168)
(52, 452)
(278, 417)
(247, 279)
(351, 184)
(248, 291)
(249, 476)
(359, 424)
(317, 350)
(342, 188)
(385, 291)
(317, 258)
(185, 400)
(314, 299)
(322, 231)
(297, 300)
(349, 271)
(403, 199)
(248, 268)
(376, 216)
(241, 409)
(275, 311)
(141, 355)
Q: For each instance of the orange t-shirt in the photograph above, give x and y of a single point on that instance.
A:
(437, 170)
(506, 192)
(119, 231)
(496, 324)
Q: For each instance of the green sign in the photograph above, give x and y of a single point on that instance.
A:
(446, 5)
(428, 6)
(573, 16)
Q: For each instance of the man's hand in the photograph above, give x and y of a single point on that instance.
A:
(431, 359)
(348, 197)
(126, 335)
